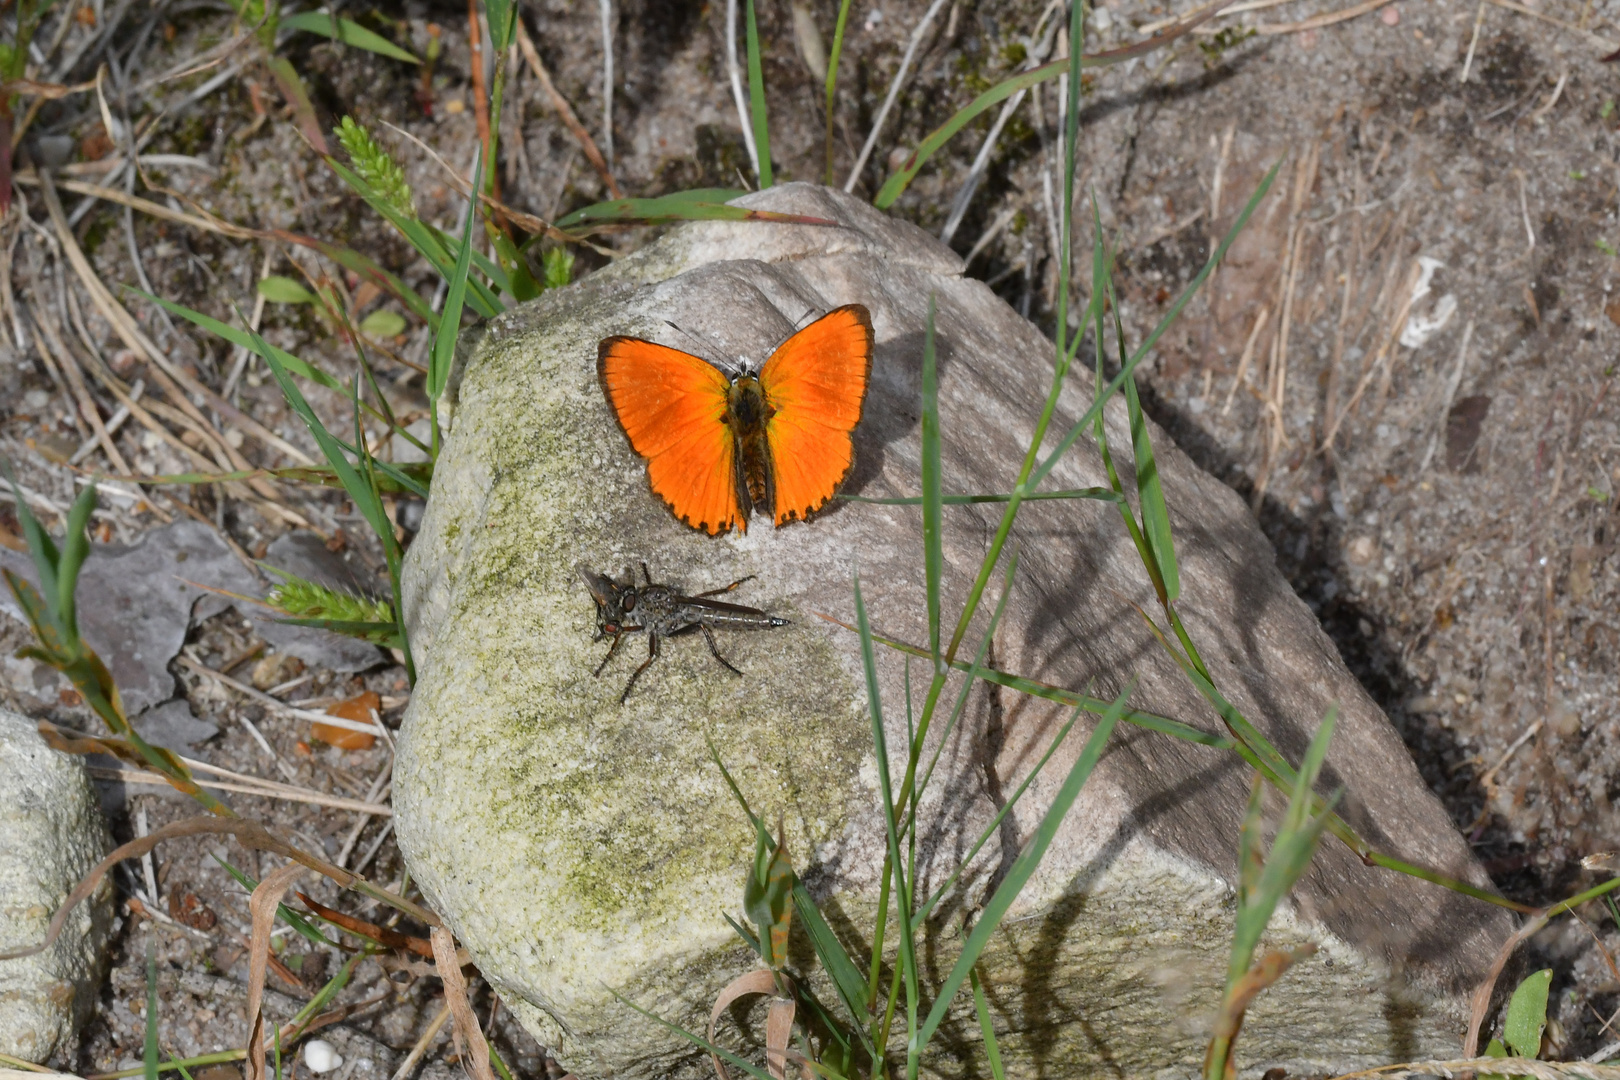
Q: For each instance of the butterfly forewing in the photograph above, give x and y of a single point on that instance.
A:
(815, 385)
(672, 407)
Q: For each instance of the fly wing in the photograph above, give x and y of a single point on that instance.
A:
(815, 386)
(672, 407)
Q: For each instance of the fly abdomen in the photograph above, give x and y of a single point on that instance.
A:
(730, 616)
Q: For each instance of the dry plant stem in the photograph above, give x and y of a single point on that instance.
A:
(606, 8)
(421, 1048)
(1248, 354)
(114, 423)
(895, 86)
(266, 898)
(249, 834)
(277, 704)
(164, 373)
(87, 405)
(526, 222)
(470, 1041)
(128, 330)
(285, 792)
(565, 112)
(1473, 42)
(734, 72)
(1601, 42)
(1320, 21)
(1235, 9)
(1515, 1066)
(1378, 359)
(1480, 1002)
(475, 44)
(1220, 167)
(761, 981)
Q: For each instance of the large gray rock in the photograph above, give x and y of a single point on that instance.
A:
(51, 835)
(577, 845)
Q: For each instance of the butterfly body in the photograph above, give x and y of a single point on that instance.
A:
(721, 448)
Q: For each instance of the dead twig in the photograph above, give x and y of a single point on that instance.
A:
(266, 898)
(1316, 23)
(469, 1037)
(895, 86)
(422, 1043)
(249, 834)
(565, 112)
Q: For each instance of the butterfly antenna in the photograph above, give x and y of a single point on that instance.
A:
(730, 367)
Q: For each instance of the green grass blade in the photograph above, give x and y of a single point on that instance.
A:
(897, 184)
(1527, 1014)
(482, 263)
(1156, 534)
(847, 979)
(359, 491)
(1101, 494)
(444, 344)
(75, 548)
(385, 536)
(902, 890)
(756, 100)
(502, 14)
(705, 204)
(301, 368)
(389, 282)
(264, 350)
(696, 1040)
(932, 525)
(149, 1047)
(1251, 855)
(973, 675)
(41, 547)
(1291, 853)
(1164, 324)
(1036, 688)
(326, 993)
(1022, 869)
(832, 80)
(283, 912)
(422, 238)
(995, 823)
(991, 1049)
(348, 32)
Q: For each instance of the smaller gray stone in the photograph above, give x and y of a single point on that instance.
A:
(173, 725)
(136, 601)
(51, 835)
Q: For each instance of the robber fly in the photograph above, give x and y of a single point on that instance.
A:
(661, 612)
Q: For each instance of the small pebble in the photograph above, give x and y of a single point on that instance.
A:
(321, 1056)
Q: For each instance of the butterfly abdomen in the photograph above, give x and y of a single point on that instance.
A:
(747, 412)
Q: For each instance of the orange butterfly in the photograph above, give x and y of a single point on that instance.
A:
(717, 448)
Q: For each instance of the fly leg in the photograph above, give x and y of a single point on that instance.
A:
(652, 654)
(728, 588)
(708, 635)
(618, 639)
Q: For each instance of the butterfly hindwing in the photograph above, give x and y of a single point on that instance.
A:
(672, 407)
(815, 383)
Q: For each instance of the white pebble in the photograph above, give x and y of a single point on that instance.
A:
(321, 1056)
